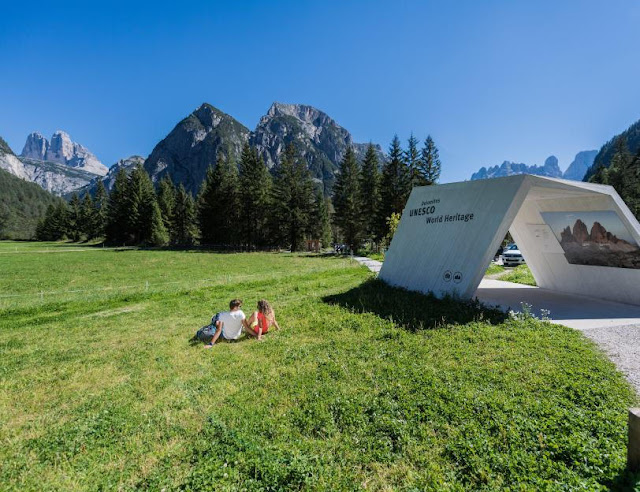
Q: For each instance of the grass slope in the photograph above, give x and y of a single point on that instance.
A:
(366, 386)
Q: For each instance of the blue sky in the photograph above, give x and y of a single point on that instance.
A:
(489, 80)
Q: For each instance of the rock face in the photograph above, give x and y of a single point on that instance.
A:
(319, 139)
(191, 147)
(9, 162)
(62, 150)
(507, 168)
(580, 231)
(580, 165)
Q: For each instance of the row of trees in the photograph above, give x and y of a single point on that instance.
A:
(240, 205)
(245, 206)
(368, 202)
(623, 174)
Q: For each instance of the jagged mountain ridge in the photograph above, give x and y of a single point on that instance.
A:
(54, 177)
(108, 181)
(62, 150)
(191, 147)
(576, 170)
(318, 138)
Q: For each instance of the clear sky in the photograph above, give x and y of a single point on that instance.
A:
(489, 80)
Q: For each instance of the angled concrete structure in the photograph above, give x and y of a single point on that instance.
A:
(577, 238)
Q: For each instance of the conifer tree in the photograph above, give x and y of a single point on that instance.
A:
(412, 161)
(166, 199)
(157, 234)
(255, 183)
(53, 226)
(117, 225)
(74, 218)
(395, 185)
(142, 208)
(87, 219)
(100, 201)
(320, 226)
(293, 200)
(429, 166)
(370, 195)
(347, 200)
(183, 228)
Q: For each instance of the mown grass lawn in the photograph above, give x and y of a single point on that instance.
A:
(365, 387)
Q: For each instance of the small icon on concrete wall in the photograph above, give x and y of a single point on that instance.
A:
(457, 277)
(447, 276)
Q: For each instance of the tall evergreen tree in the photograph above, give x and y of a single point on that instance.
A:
(166, 199)
(183, 228)
(117, 225)
(347, 200)
(100, 203)
(412, 161)
(53, 226)
(429, 166)
(219, 203)
(293, 200)
(370, 195)
(74, 218)
(320, 226)
(87, 218)
(395, 185)
(255, 183)
(142, 208)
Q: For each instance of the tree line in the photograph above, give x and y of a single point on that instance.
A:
(245, 206)
(623, 173)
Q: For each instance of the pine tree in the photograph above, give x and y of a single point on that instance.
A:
(53, 226)
(429, 167)
(117, 228)
(74, 219)
(293, 200)
(347, 200)
(321, 221)
(395, 186)
(370, 195)
(87, 219)
(412, 161)
(166, 199)
(142, 208)
(255, 183)
(183, 228)
(100, 201)
(157, 233)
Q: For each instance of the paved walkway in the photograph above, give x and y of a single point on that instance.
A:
(615, 327)
(373, 265)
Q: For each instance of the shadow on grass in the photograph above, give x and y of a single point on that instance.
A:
(627, 481)
(413, 310)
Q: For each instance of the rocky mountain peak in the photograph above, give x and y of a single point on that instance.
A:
(580, 231)
(35, 147)
(551, 165)
(62, 150)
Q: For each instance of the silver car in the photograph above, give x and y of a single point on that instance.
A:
(512, 256)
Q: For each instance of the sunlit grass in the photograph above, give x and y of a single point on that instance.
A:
(365, 386)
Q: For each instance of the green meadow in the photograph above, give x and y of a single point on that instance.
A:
(366, 387)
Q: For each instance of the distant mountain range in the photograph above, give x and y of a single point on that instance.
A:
(576, 170)
(58, 166)
(62, 166)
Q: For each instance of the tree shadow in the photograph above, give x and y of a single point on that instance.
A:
(412, 310)
(627, 481)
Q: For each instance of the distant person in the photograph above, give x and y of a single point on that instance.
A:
(261, 320)
(229, 324)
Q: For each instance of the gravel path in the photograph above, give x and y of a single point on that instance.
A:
(622, 345)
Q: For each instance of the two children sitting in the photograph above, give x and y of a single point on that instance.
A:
(230, 324)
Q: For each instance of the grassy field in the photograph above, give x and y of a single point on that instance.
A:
(366, 387)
